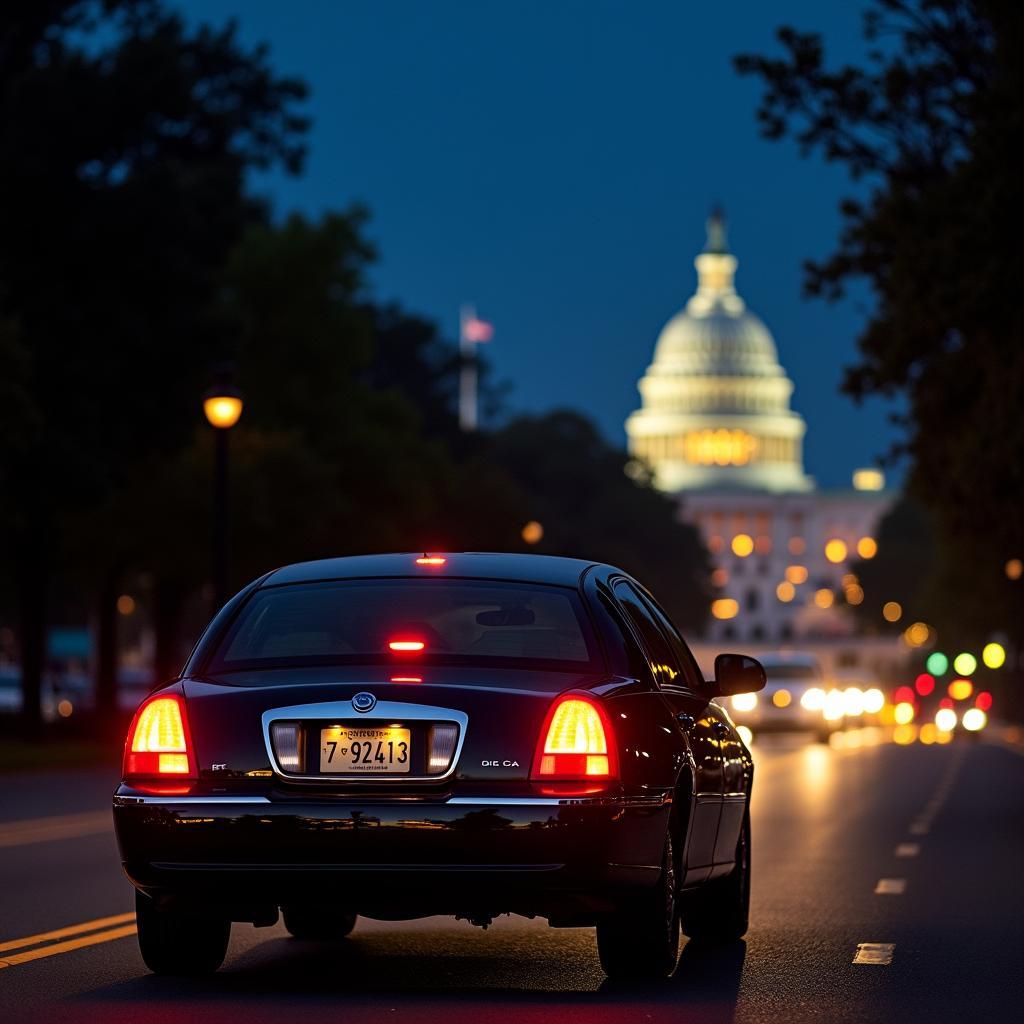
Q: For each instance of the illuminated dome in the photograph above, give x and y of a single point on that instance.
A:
(715, 401)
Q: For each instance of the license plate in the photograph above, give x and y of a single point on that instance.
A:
(364, 750)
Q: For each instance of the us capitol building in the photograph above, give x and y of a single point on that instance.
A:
(716, 427)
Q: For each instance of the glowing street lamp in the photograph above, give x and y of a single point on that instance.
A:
(222, 406)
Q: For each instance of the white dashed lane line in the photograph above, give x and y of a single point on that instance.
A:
(890, 887)
(879, 954)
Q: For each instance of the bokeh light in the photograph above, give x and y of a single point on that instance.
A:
(813, 699)
(965, 663)
(974, 720)
(983, 701)
(904, 734)
(824, 598)
(1014, 569)
(532, 532)
(937, 663)
(903, 695)
(797, 545)
(892, 611)
(945, 719)
(796, 574)
(874, 700)
(916, 635)
(832, 709)
(782, 698)
(854, 594)
(867, 547)
(785, 591)
(725, 608)
(960, 689)
(853, 702)
(744, 701)
(742, 545)
(835, 550)
(924, 684)
(994, 655)
(903, 713)
(745, 734)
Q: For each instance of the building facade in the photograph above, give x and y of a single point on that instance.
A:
(717, 429)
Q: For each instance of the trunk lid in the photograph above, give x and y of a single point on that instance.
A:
(503, 711)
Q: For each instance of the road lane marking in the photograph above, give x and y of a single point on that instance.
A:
(66, 947)
(877, 953)
(908, 849)
(71, 929)
(62, 826)
(890, 887)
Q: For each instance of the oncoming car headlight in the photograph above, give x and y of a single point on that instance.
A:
(744, 701)
(813, 699)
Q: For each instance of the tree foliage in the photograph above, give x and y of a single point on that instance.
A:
(930, 127)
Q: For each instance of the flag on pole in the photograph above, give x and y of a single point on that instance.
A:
(474, 329)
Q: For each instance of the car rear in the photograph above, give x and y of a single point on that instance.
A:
(392, 747)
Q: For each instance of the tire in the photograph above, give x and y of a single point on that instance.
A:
(719, 911)
(181, 944)
(642, 942)
(316, 926)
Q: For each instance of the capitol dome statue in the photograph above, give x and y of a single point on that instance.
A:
(715, 402)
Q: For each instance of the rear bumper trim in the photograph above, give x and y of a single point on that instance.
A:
(456, 801)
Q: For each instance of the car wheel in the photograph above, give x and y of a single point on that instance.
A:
(176, 943)
(719, 910)
(316, 925)
(642, 941)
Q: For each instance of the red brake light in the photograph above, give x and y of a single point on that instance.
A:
(407, 679)
(406, 646)
(576, 742)
(158, 744)
(431, 560)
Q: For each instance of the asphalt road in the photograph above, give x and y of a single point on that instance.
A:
(916, 848)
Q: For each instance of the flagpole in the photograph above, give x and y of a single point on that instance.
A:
(467, 373)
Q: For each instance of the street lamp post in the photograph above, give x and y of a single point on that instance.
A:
(222, 407)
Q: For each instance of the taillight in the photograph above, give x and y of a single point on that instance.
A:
(158, 744)
(576, 742)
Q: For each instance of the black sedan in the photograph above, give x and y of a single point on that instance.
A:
(404, 735)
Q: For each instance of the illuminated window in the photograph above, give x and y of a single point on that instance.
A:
(725, 608)
(719, 447)
(835, 550)
(742, 545)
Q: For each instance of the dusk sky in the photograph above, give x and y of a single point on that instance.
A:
(554, 163)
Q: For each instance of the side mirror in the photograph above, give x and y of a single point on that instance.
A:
(738, 673)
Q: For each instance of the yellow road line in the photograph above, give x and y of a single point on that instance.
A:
(63, 826)
(65, 947)
(71, 929)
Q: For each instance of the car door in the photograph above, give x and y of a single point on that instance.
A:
(679, 684)
(735, 778)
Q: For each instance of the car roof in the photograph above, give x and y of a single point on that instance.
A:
(465, 564)
(783, 658)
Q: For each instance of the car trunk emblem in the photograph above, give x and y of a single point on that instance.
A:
(364, 702)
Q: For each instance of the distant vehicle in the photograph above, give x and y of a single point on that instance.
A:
(793, 699)
(10, 689)
(397, 736)
(11, 696)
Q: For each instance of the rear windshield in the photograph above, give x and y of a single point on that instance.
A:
(450, 622)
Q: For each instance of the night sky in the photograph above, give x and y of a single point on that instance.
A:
(554, 163)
